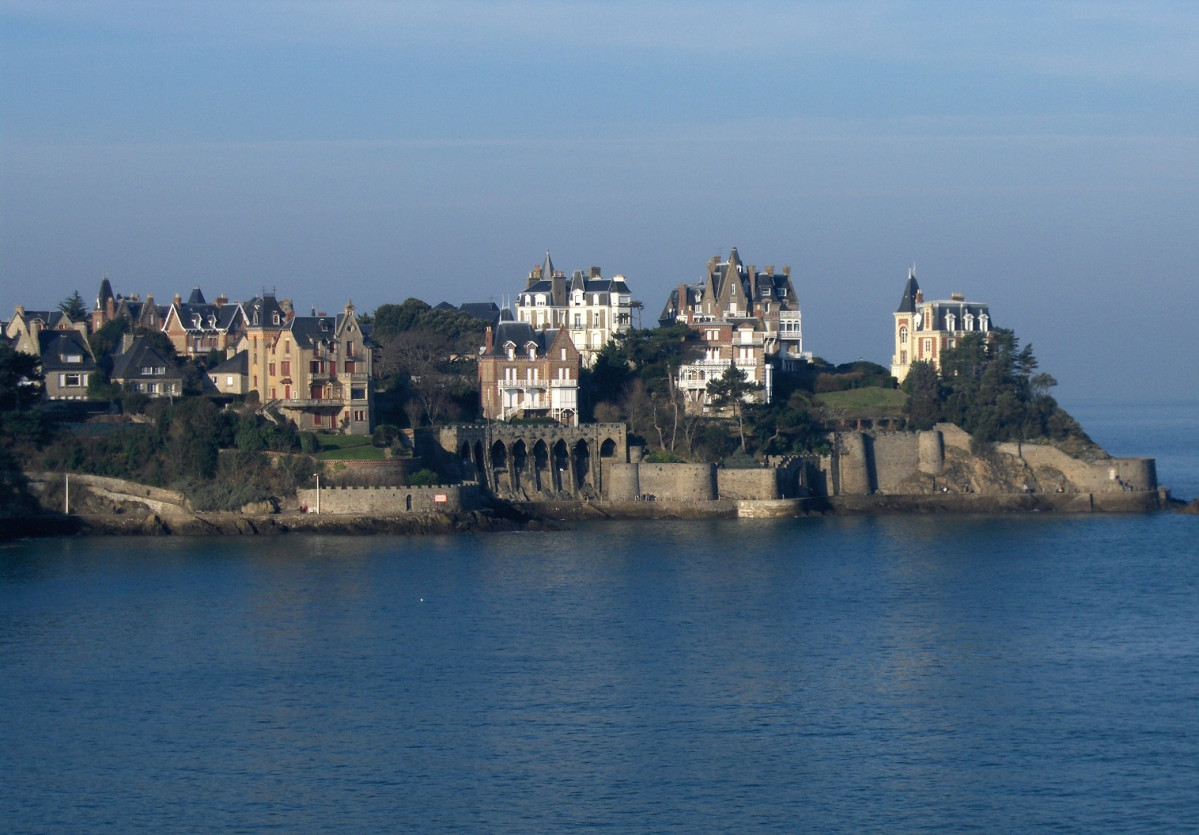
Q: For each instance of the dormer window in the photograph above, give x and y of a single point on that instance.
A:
(275, 317)
(968, 319)
(984, 322)
(196, 321)
(510, 349)
(532, 351)
(950, 322)
(212, 322)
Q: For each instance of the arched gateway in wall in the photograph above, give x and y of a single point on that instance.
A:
(538, 462)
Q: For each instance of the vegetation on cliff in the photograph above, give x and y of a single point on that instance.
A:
(989, 387)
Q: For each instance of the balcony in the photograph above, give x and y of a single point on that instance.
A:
(312, 403)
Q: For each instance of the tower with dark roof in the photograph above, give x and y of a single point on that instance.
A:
(925, 330)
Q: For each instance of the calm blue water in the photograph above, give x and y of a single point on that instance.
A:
(901, 673)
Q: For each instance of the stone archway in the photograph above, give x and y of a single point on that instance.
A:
(541, 466)
(520, 457)
(499, 467)
(581, 455)
(561, 467)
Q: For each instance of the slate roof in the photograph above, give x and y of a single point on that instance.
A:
(141, 355)
(57, 346)
(908, 303)
(519, 334)
(260, 312)
(239, 363)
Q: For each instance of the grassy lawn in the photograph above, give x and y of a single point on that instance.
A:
(864, 402)
(348, 448)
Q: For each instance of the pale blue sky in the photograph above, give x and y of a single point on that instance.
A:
(1042, 157)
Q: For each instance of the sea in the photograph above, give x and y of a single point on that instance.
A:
(908, 673)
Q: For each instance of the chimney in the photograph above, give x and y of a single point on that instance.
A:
(487, 340)
(221, 300)
(178, 299)
(20, 310)
(595, 272)
(919, 296)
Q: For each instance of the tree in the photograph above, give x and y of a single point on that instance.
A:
(923, 388)
(21, 382)
(73, 307)
(731, 390)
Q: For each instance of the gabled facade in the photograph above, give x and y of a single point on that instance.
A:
(924, 330)
(317, 370)
(196, 328)
(138, 313)
(232, 376)
(67, 363)
(525, 373)
(592, 308)
(724, 343)
(141, 368)
(24, 327)
(733, 292)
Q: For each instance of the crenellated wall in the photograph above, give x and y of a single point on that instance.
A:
(392, 501)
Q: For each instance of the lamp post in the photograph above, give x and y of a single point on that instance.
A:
(317, 476)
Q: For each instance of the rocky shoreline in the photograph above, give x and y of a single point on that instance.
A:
(549, 516)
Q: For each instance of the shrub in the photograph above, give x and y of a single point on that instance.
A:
(424, 478)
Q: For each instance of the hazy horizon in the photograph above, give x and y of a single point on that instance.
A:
(1038, 157)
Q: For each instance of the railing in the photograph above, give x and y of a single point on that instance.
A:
(309, 403)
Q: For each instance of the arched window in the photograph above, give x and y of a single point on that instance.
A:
(903, 334)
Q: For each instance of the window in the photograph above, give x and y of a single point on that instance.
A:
(71, 379)
(271, 369)
(903, 334)
(229, 381)
(285, 368)
(360, 415)
(351, 366)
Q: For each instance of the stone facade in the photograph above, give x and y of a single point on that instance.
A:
(527, 373)
(924, 330)
(537, 462)
(317, 370)
(392, 501)
(941, 461)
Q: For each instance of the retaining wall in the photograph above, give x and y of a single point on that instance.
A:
(391, 501)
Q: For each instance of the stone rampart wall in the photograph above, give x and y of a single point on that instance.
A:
(678, 482)
(891, 462)
(392, 501)
(896, 456)
(758, 484)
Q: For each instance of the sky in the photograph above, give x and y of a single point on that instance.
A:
(1041, 157)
